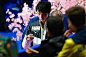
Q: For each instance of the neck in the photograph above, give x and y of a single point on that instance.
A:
(42, 23)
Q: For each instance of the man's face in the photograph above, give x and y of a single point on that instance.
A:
(42, 16)
(71, 26)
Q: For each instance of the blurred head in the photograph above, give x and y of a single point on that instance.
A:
(76, 17)
(57, 13)
(43, 9)
(54, 26)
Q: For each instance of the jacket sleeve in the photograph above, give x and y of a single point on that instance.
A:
(36, 39)
(26, 43)
(67, 48)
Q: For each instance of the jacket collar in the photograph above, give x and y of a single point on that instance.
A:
(80, 36)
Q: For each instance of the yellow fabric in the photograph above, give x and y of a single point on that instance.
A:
(71, 49)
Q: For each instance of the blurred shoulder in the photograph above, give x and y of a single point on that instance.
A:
(70, 41)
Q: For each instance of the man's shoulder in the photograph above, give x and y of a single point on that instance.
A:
(58, 38)
(70, 41)
(35, 23)
(34, 19)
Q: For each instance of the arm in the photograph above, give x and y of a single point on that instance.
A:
(67, 48)
(27, 41)
(30, 51)
(36, 34)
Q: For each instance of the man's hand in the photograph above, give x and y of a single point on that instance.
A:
(68, 32)
(30, 37)
(30, 51)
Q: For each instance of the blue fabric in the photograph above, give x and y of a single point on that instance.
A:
(33, 47)
(70, 36)
(8, 34)
(65, 21)
(80, 36)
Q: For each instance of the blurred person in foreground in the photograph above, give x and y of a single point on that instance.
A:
(36, 31)
(76, 45)
(55, 40)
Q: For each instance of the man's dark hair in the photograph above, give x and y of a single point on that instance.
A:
(43, 6)
(55, 25)
(76, 15)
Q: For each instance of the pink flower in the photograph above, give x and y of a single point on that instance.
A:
(7, 20)
(13, 39)
(10, 26)
(7, 11)
(12, 15)
(15, 30)
(19, 33)
(25, 23)
(19, 20)
(63, 10)
(19, 14)
(12, 19)
(53, 0)
(18, 38)
(35, 2)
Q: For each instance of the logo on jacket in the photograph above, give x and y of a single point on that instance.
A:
(35, 27)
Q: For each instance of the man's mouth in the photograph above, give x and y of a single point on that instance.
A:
(43, 18)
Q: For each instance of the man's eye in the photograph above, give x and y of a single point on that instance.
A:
(45, 14)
